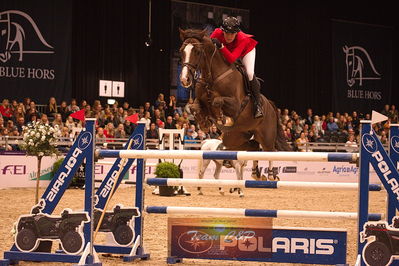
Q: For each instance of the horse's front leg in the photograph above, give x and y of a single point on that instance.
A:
(255, 170)
(239, 166)
(216, 175)
(225, 110)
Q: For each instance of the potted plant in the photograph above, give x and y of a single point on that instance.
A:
(167, 170)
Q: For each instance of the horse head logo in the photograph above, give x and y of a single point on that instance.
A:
(12, 35)
(355, 66)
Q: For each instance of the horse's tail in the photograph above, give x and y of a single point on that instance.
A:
(281, 143)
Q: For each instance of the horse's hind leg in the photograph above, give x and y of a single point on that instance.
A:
(201, 173)
(217, 174)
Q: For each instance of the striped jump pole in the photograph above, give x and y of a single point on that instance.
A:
(256, 213)
(230, 155)
(255, 184)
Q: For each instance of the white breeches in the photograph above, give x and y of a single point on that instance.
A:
(249, 63)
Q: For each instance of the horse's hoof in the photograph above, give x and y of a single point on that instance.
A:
(241, 195)
(263, 178)
(276, 178)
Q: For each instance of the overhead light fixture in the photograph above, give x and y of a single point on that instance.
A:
(148, 41)
(111, 101)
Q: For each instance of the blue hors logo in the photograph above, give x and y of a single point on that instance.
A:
(357, 61)
(13, 35)
(368, 143)
(395, 143)
(85, 140)
(137, 141)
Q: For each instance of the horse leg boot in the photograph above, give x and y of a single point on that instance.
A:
(255, 93)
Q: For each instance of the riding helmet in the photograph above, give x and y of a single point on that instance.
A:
(231, 25)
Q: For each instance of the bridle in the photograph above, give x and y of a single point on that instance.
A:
(195, 69)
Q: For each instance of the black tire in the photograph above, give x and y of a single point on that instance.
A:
(377, 254)
(26, 239)
(123, 234)
(71, 242)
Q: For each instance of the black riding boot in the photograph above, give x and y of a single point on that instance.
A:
(255, 92)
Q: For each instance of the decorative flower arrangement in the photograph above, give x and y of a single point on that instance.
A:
(39, 140)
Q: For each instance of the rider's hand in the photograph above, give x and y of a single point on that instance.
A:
(217, 43)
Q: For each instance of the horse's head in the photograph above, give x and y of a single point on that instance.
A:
(192, 54)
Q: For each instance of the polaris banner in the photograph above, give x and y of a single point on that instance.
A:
(362, 66)
(35, 49)
(254, 239)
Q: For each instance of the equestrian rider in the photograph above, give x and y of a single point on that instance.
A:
(235, 44)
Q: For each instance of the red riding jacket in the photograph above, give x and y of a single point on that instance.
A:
(242, 44)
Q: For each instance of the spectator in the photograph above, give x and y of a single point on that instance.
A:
(195, 134)
(157, 115)
(146, 119)
(170, 123)
(125, 106)
(73, 107)
(148, 108)
(141, 111)
(11, 126)
(213, 133)
(355, 122)
(120, 132)
(201, 135)
(100, 136)
(5, 109)
(58, 121)
(44, 119)
(65, 133)
(63, 110)
(83, 104)
(301, 142)
(331, 125)
(20, 123)
(162, 113)
(386, 110)
(26, 104)
(317, 126)
(160, 100)
(393, 114)
(153, 133)
(172, 106)
(187, 109)
(309, 117)
(108, 128)
(129, 127)
(189, 139)
(88, 111)
(19, 112)
(51, 108)
(351, 144)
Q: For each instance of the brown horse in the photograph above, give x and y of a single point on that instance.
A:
(221, 99)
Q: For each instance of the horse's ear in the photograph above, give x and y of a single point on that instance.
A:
(182, 34)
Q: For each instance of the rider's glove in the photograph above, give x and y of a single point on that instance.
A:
(217, 43)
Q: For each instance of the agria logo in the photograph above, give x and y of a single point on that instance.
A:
(13, 36)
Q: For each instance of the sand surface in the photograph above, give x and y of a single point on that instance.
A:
(16, 202)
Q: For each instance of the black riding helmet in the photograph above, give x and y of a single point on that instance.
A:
(231, 25)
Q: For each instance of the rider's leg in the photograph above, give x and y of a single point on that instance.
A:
(249, 64)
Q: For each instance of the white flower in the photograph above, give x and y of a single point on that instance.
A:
(41, 154)
(43, 138)
(37, 135)
(32, 133)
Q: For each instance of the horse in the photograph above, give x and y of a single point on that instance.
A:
(238, 165)
(221, 99)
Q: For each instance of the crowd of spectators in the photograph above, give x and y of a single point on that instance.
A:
(161, 113)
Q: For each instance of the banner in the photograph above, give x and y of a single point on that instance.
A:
(35, 49)
(362, 66)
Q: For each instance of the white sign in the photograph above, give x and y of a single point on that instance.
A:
(105, 88)
(118, 89)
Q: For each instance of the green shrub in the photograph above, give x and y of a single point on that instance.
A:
(167, 170)
(56, 166)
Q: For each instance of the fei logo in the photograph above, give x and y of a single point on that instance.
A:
(368, 143)
(355, 65)
(12, 35)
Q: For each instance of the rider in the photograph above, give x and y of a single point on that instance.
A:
(234, 44)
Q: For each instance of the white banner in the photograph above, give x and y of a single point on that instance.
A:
(20, 171)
